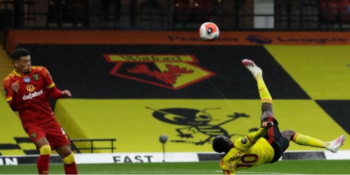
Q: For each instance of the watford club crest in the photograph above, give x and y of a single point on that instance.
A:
(167, 71)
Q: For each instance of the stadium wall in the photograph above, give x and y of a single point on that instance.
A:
(306, 72)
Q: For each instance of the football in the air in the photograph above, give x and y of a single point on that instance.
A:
(209, 31)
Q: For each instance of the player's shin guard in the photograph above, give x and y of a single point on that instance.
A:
(44, 159)
(69, 165)
(264, 92)
(309, 141)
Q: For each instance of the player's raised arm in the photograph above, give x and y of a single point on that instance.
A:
(249, 140)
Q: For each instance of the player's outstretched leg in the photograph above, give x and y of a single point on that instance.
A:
(336, 144)
(44, 159)
(253, 68)
(305, 140)
(67, 155)
(265, 96)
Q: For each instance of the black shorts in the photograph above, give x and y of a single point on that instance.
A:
(275, 138)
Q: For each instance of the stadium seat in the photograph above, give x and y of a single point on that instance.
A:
(328, 10)
(202, 10)
(151, 11)
(66, 12)
(182, 10)
(344, 10)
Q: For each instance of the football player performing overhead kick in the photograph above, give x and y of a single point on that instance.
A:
(267, 144)
(27, 90)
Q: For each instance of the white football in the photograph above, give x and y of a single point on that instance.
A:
(209, 31)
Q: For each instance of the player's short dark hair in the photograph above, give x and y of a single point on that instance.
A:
(222, 144)
(18, 53)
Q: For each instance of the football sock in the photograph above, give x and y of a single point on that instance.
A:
(257, 73)
(309, 141)
(264, 92)
(44, 159)
(69, 165)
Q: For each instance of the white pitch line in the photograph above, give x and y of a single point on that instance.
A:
(251, 172)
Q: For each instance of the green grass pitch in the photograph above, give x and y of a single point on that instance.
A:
(210, 167)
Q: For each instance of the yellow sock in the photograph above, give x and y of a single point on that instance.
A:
(69, 159)
(263, 91)
(309, 141)
(45, 150)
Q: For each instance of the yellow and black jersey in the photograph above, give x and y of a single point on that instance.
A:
(247, 152)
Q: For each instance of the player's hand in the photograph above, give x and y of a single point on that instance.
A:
(66, 93)
(267, 124)
(15, 86)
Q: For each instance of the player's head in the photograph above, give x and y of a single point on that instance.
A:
(21, 60)
(222, 144)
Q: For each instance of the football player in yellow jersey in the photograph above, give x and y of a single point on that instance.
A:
(267, 144)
